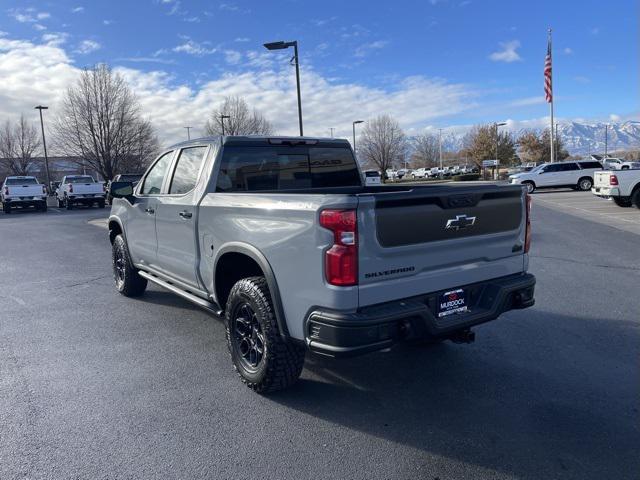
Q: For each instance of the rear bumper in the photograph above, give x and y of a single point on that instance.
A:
(18, 202)
(92, 199)
(605, 192)
(380, 326)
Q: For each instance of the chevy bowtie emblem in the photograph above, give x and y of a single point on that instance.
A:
(460, 222)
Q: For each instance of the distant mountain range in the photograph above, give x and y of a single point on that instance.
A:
(579, 138)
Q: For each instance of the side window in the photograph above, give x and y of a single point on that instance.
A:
(185, 175)
(567, 167)
(552, 168)
(153, 181)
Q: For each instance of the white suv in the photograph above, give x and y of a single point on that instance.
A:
(577, 175)
(617, 164)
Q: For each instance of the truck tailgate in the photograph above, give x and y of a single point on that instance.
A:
(601, 178)
(87, 188)
(438, 237)
(25, 191)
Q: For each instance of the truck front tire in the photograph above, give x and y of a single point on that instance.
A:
(264, 360)
(128, 282)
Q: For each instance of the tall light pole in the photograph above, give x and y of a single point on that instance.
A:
(501, 124)
(44, 146)
(281, 46)
(188, 132)
(353, 124)
(606, 139)
(440, 148)
(331, 129)
(222, 117)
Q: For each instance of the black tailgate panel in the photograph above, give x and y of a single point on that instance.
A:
(420, 217)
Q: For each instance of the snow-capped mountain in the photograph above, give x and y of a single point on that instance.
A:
(579, 138)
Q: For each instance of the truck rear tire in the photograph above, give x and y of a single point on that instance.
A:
(635, 197)
(264, 360)
(68, 204)
(622, 201)
(128, 282)
(60, 203)
(6, 208)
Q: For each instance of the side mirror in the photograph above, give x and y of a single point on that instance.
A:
(121, 189)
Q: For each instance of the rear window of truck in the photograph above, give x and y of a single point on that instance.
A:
(80, 180)
(22, 181)
(259, 168)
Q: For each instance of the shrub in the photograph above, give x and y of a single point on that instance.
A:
(467, 177)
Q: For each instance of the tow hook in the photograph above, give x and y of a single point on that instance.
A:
(463, 336)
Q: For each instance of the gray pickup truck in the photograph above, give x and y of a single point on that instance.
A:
(281, 237)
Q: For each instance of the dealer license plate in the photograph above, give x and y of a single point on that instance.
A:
(452, 302)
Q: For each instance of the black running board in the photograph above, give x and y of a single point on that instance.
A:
(201, 302)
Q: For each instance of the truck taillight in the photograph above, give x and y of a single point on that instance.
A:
(341, 260)
(70, 187)
(613, 180)
(527, 232)
(44, 190)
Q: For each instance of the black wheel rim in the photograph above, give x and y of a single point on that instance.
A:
(248, 338)
(119, 266)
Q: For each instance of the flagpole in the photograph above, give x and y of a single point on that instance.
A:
(551, 106)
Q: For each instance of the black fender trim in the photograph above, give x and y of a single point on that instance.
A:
(113, 218)
(256, 255)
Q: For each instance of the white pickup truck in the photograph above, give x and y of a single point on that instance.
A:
(80, 189)
(622, 186)
(23, 191)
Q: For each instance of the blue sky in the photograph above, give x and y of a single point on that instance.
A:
(431, 63)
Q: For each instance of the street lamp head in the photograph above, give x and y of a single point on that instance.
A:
(225, 116)
(501, 124)
(358, 121)
(40, 107)
(279, 45)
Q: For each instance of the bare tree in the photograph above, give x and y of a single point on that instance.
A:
(18, 144)
(383, 143)
(102, 126)
(534, 146)
(242, 120)
(426, 150)
(480, 144)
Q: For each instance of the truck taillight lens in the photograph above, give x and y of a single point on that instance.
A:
(613, 180)
(527, 233)
(70, 188)
(341, 260)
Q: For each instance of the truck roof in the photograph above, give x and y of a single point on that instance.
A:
(256, 140)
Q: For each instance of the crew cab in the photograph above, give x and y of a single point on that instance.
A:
(577, 175)
(281, 236)
(622, 186)
(23, 192)
(80, 190)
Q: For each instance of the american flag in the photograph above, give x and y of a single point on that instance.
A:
(548, 90)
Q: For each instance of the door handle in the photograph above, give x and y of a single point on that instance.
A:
(150, 210)
(185, 214)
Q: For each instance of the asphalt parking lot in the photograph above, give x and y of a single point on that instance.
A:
(96, 385)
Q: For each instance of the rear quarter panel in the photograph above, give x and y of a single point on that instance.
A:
(285, 229)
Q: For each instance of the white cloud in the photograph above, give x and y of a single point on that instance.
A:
(567, 51)
(614, 117)
(415, 101)
(107, 22)
(191, 19)
(87, 46)
(39, 27)
(77, 10)
(367, 48)
(28, 15)
(582, 79)
(191, 47)
(242, 39)
(525, 102)
(507, 52)
(232, 57)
